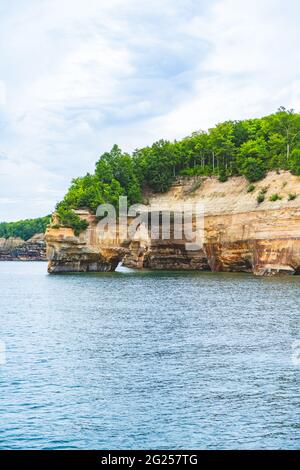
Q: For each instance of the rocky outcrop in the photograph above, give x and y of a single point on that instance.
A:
(16, 249)
(239, 234)
(85, 253)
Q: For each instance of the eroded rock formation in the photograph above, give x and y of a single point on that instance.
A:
(16, 249)
(85, 253)
(239, 233)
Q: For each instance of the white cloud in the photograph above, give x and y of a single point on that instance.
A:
(78, 76)
(251, 67)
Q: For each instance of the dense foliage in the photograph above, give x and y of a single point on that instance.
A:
(114, 176)
(24, 229)
(250, 148)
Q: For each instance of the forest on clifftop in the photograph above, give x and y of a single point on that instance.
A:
(24, 229)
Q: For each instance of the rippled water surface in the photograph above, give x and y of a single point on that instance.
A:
(148, 360)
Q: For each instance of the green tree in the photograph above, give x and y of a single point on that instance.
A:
(287, 124)
(68, 218)
(115, 166)
(250, 147)
(160, 167)
(277, 151)
(222, 145)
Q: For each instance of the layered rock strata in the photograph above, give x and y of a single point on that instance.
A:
(16, 249)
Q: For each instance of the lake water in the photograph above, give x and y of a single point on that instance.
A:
(139, 360)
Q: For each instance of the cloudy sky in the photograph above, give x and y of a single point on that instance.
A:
(77, 76)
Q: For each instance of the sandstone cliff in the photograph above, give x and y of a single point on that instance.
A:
(240, 234)
(16, 249)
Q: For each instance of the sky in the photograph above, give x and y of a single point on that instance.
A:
(78, 76)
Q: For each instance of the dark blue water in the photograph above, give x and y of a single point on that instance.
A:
(148, 360)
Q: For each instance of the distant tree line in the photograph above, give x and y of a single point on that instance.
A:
(24, 229)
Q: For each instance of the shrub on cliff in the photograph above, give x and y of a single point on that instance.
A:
(156, 166)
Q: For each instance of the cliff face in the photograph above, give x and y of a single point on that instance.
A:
(239, 233)
(16, 249)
